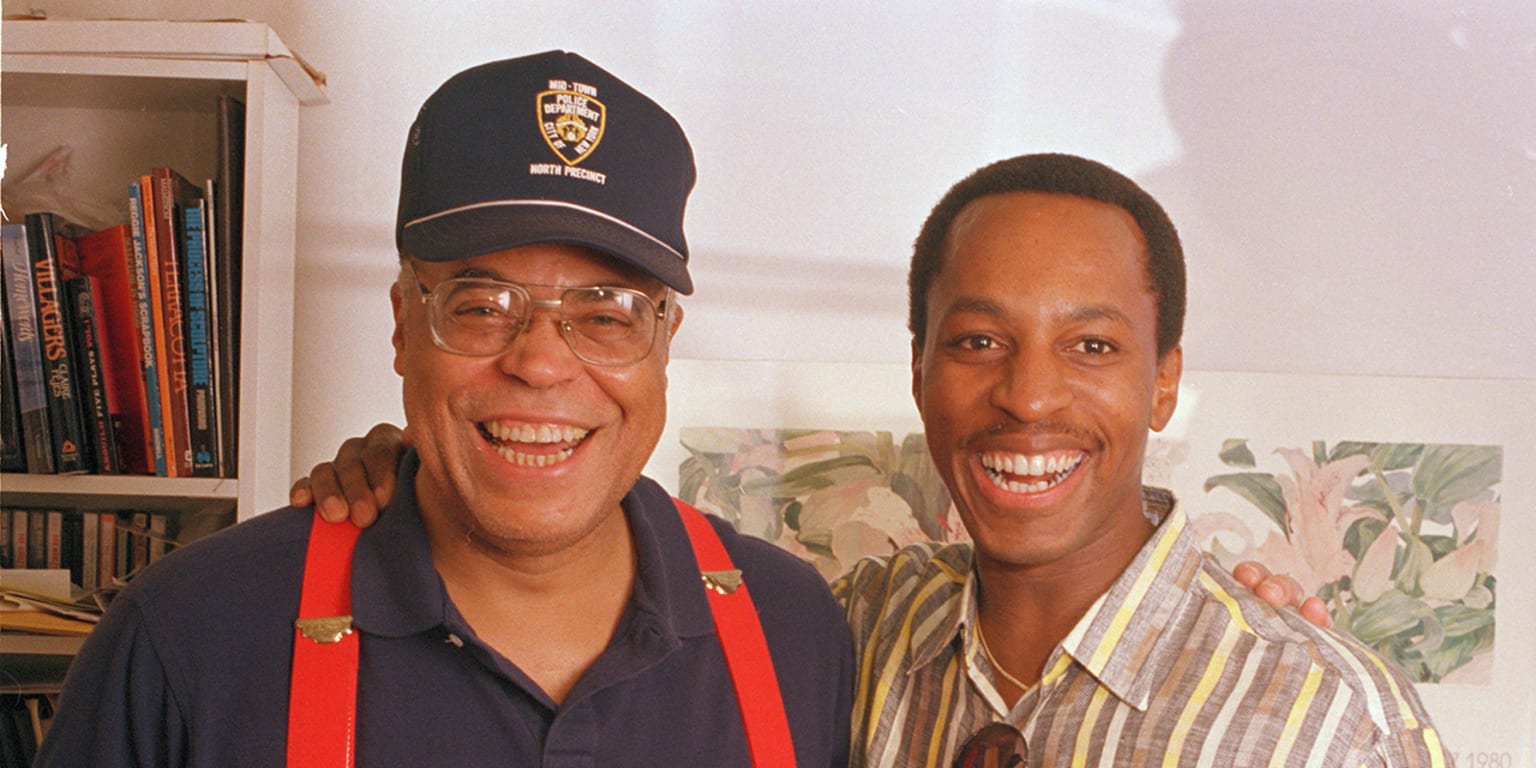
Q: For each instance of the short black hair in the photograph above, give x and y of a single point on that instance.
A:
(1066, 175)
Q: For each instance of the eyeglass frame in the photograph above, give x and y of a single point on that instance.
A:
(661, 309)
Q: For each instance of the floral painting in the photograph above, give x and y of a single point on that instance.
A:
(1400, 540)
(830, 497)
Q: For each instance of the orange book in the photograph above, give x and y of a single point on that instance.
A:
(171, 193)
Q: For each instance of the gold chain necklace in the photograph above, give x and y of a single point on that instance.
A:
(993, 659)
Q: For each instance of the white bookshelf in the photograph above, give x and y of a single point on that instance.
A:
(129, 95)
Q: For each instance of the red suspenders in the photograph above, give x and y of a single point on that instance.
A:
(323, 694)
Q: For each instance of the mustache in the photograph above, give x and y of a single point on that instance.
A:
(1045, 428)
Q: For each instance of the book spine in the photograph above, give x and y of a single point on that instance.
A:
(5, 539)
(144, 288)
(72, 547)
(71, 453)
(170, 325)
(201, 408)
(140, 536)
(19, 535)
(26, 349)
(54, 531)
(13, 454)
(37, 538)
(106, 562)
(90, 550)
(107, 255)
(83, 299)
(228, 251)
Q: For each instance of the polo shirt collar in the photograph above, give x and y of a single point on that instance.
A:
(396, 590)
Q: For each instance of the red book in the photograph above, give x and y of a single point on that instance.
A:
(106, 255)
(172, 193)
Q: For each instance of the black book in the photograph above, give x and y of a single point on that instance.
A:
(90, 372)
(229, 226)
(26, 349)
(13, 457)
(53, 262)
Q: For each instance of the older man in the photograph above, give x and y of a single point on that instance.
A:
(528, 598)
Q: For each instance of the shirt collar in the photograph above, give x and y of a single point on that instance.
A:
(396, 590)
(1117, 640)
(1121, 640)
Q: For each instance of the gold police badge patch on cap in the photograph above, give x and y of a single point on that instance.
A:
(571, 119)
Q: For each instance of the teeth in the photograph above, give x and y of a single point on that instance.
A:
(532, 459)
(1053, 469)
(506, 438)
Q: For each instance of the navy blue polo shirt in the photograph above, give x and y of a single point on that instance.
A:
(190, 666)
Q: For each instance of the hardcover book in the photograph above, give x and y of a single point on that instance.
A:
(201, 407)
(13, 457)
(173, 194)
(229, 228)
(82, 293)
(26, 349)
(145, 289)
(107, 255)
(54, 260)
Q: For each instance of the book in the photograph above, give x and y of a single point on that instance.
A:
(37, 538)
(217, 384)
(107, 255)
(172, 194)
(90, 550)
(19, 535)
(82, 297)
(53, 520)
(201, 406)
(26, 349)
(13, 455)
(229, 227)
(55, 260)
(145, 288)
(106, 542)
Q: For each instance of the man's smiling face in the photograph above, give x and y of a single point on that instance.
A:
(531, 450)
(1038, 378)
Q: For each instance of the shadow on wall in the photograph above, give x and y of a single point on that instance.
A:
(1360, 171)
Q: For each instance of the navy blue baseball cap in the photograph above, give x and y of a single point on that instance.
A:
(546, 148)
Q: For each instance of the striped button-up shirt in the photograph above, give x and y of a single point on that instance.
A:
(1176, 665)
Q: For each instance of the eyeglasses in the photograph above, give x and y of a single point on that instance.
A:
(995, 745)
(477, 317)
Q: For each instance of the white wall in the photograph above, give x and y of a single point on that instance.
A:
(1355, 182)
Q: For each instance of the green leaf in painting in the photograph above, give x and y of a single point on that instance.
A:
(1260, 489)
(811, 477)
(1235, 453)
(1450, 473)
(1394, 614)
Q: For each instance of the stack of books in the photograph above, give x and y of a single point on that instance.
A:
(120, 345)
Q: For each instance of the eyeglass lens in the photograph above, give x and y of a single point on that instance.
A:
(996, 745)
(605, 326)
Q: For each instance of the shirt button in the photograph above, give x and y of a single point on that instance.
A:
(455, 641)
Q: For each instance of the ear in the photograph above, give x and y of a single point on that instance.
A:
(673, 320)
(1165, 393)
(397, 304)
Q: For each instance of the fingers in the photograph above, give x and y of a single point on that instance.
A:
(325, 491)
(299, 495)
(1250, 574)
(381, 452)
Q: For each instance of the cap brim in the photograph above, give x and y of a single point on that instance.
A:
(491, 227)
